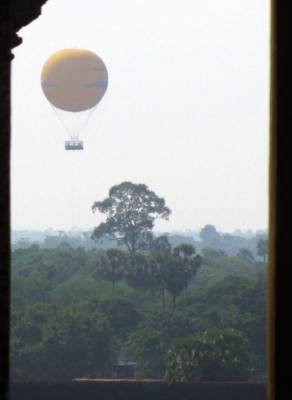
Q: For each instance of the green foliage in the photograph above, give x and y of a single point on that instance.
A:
(148, 345)
(210, 255)
(175, 276)
(138, 273)
(67, 321)
(130, 210)
(74, 290)
(160, 245)
(239, 303)
(122, 315)
(245, 254)
(216, 355)
(171, 325)
(145, 347)
(216, 269)
(53, 343)
(173, 271)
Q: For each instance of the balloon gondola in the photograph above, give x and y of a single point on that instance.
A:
(74, 81)
(73, 144)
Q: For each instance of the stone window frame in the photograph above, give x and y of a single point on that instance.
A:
(15, 14)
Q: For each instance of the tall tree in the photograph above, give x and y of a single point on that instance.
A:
(173, 271)
(138, 273)
(262, 248)
(160, 249)
(130, 210)
(112, 265)
(187, 253)
(158, 265)
(181, 267)
(176, 276)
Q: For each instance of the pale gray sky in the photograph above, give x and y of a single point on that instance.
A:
(186, 112)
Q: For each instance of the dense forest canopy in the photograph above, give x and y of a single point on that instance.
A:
(179, 307)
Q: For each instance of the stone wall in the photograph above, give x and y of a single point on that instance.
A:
(135, 390)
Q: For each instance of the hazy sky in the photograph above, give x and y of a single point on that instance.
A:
(186, 112)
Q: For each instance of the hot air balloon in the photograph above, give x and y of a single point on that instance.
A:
(74, 81)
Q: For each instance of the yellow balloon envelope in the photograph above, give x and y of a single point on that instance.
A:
(74, 79)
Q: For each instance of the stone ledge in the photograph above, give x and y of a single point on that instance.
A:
(137, 390)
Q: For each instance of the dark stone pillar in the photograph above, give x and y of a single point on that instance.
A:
(281, 150)
(5, 58)
(13, 15)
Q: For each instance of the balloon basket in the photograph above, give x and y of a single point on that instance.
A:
(74, 144)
